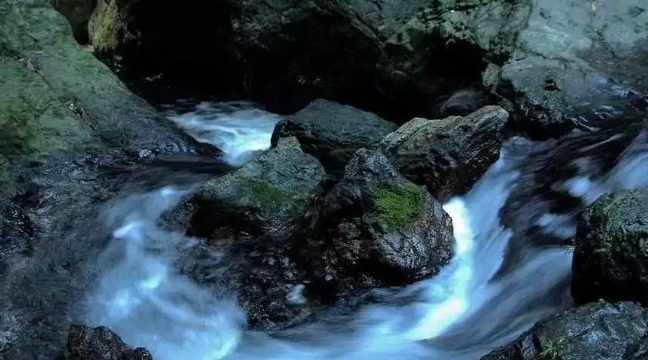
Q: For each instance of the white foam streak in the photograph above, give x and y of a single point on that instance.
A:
(236, 132)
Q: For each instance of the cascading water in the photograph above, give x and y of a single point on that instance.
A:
(462, 313)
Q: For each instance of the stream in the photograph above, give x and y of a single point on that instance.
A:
(471, 307)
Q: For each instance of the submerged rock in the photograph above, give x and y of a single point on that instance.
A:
(611, 254)
(265, 197)
(596, 331)
(377, 229)
(450, 154)
(333, 132)
(99, 343)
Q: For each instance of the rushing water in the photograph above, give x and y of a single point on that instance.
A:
(462, 313)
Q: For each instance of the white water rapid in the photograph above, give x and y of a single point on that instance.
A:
(460, 314)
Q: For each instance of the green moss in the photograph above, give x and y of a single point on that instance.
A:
(552, 350)
(103, 29)
(399, 207)
(343, 155)
(265, 193)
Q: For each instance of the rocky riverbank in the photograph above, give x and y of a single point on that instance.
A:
(391, 109)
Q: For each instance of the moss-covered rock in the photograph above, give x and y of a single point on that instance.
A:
(596, 331)
(450, 154)
(99, 343)
(611, 254)
(377, 229)
(265, 197)
(63, 115)
(399, 206)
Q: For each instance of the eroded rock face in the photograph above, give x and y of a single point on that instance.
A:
(549, 62)
(556, 80)
(99, 343)
(611, 254)
(596, 331)
(333, 132)
(447, 155)
(265, 197)
(377, 229)
(78, 13)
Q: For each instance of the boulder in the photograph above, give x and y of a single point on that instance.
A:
(463, 102)
(252, 214)
(377, 229)
(99, 343)
(265, 197)
(611, 254)
(596, 331)
(548, 62)
(333, 132)
(65, 119)
(570, 65)
(78, 13)
(450, 154)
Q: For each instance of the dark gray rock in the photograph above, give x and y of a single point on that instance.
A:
(549, 62)
(333, 132)
(377, 229)
(576, 62)
(463, 102)
(284, 52)
(447, 155)
(611, 254)
(85, 343)
(596, 331)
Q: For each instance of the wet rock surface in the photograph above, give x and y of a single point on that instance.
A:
(377, 229)
(590, 332)
(67, 123)
(611, 249)
(447, 155)
(333, 132)
(548, 63)
(99, 343)
(265, 197)
(253, 213)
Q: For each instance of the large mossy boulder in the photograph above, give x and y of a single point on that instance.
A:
(64, 118)
(333, 132)
(376, 229)
(596, 331)
(99, 343)
(611, 254)
(450, 154)
(266, 197)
